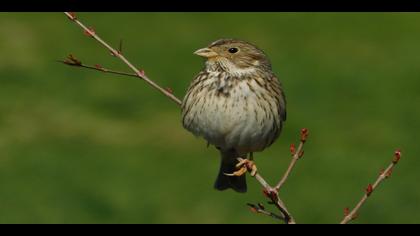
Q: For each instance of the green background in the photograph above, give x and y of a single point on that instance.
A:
(78, 146)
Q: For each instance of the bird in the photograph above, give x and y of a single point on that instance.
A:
(236, 103)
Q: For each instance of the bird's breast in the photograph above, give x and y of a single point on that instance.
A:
(231, 112)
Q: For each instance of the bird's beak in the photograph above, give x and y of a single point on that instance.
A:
(205, 52)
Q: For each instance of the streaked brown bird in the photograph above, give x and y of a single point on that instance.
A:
(236, 103)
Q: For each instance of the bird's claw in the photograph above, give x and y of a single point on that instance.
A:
(239, 172)
(244, 165)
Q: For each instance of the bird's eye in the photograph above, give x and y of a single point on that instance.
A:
(233, 50)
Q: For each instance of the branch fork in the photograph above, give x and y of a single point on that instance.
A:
(89, 31)
(272, 193)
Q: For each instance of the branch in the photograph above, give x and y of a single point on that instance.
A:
(349, 216)
(139, 73)
(273, 193)
(261, 209)
(72, 61)
(296, 155)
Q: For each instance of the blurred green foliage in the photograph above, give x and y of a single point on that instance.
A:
(78, 146)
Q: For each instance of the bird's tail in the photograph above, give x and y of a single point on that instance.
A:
(223, 182)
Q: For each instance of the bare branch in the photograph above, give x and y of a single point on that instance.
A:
(140, 73)
(273, 193)
(349, 216)
(296, 155)
(97, 67)
(270, 192)
(261, 210)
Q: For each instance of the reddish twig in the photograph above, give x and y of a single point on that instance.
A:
(351, 215)
(140, 73)
(96, 67)
(274, 197)
(259, 208)
(296, 155)
(273, 193)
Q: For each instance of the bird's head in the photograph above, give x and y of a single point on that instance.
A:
(235, 55)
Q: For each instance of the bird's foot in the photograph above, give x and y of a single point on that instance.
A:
(244, 165)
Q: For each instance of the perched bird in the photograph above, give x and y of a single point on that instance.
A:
(236, 103)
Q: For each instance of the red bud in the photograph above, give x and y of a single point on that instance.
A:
(90, 32)
(253, 209)
(304, 135)
(389, 173)
(381, 172)
(265, 192)
(269, 194)
(397, 156)
(292, 149)
(141, 73)
(346, 211)
(99, 67)
(169, 90)
(369, 190)
(72, 16)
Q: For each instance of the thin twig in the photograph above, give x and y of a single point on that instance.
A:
(349, 216)
(288, 218)
(262, 181)
(260, 209)
(292, 164)
(273, 193)
(99, 68)
(90, 32)
(274, 197)
(296, 155)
